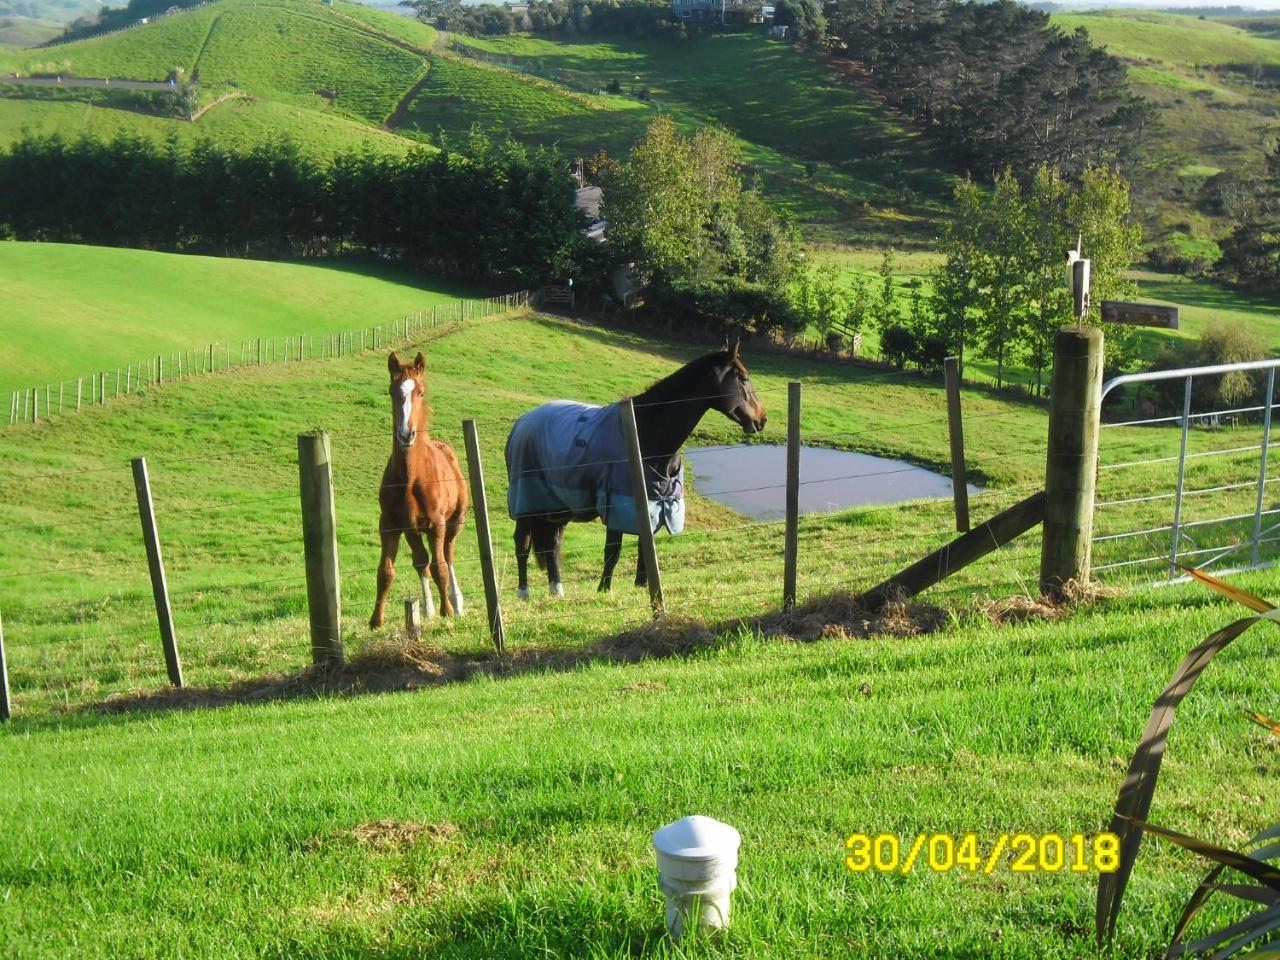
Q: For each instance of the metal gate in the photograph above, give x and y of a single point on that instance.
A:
(1182, 474)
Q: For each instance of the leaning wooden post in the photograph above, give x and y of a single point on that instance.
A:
(955, 427)
(159, 585)
(791, 547)
(480, 508)
(5, 712)
(413, 618)
(320, 547)
(640, 494)
(1072, 465)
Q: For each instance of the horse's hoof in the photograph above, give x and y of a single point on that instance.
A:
(375, 622)
(604, 587)
(557, 589)
(522, 593)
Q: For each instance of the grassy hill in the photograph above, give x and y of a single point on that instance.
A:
(827, 153)
(1212, 117)
(511, 813)
(70, 309)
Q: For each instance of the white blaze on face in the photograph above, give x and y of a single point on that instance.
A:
(405, 427)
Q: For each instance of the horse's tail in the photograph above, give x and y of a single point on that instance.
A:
(546, 540)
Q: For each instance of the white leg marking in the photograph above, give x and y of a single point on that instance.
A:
(428, 604)
(522, 593)
(557, 589)
(455, 592)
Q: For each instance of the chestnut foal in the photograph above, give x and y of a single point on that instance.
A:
(423, 492)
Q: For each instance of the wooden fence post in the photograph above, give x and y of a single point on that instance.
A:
(641, 495)
(480, 509)
(413, 617)
(791, 548)
(160, 371)
(320, 547)
(159, 585)
(1072, 464)
(5, 711)
(117, 386)
(79, 390)
(955, 427)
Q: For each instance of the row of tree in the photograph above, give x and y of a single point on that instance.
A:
(1001, 292)
(566, 18)
(996, 83)
(489, 212)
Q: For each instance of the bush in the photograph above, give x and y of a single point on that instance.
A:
(725, 304)
(1169, 257)
(898, 345)
(835, 341)
(1220, 343)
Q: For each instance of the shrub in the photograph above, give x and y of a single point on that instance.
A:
(725, 304)
(898, 345)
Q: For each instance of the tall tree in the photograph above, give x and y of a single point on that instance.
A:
(1001, 273)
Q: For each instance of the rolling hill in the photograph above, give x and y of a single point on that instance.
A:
(337, 75)
(1217, 108)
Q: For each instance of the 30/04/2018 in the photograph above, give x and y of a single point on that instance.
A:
(940, 852)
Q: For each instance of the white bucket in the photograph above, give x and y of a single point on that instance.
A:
(697, 872)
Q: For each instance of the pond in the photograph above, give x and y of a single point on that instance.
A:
(751, 479)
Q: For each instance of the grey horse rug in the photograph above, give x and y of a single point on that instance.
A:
(572, 457)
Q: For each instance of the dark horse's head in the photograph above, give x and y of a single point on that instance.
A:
(408, 400)
(734, 396)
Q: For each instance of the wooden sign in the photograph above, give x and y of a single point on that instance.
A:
(1140, 314)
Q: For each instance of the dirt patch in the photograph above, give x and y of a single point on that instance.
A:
(399, 663)
(841, 616)
(1019, 608)
(398, 834)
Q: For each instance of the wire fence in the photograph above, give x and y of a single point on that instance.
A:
(31, 405)
(80, 621)
(1184, 476)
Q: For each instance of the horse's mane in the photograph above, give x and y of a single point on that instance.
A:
(679, 382)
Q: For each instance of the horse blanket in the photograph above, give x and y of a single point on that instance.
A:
(572, 457)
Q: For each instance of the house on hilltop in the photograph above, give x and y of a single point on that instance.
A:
(720, 11)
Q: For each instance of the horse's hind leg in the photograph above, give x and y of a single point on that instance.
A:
(612, 550)
(421, 560)
(455, 591)
(524, 543)
(386, 574)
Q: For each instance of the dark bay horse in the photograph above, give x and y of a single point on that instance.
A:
(566, 462)
(422, 492)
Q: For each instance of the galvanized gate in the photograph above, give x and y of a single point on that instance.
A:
(1182, 475)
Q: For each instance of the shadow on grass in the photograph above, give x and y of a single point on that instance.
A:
(401, 663)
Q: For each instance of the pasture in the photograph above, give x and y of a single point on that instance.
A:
(73, 309)
(510, 813)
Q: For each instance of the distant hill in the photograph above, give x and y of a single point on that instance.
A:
(341, 75)
(1216, 84)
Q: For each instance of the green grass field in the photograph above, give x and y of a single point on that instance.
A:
(71, 310)
(519, 807)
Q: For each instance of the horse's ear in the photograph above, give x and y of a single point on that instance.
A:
(393, 363)
(736, 344)
(725, 346)
(419, 362)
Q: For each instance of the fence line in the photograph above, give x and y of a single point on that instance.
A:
(26, 404)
